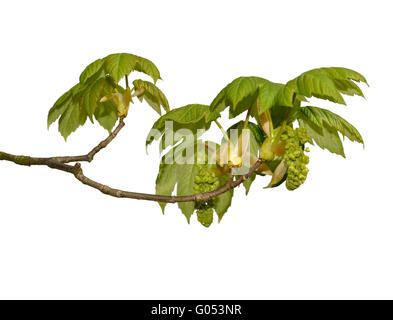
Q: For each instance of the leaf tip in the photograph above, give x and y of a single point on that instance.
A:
(162, 205)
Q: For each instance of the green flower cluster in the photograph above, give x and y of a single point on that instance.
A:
(205, 181)
(294, 156)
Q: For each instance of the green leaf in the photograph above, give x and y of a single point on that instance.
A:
(279, 113)
(192, 117)
(90, 70)
(239, 95)
(166, 181)
(318, 84)
(223, 201)
(324, 137)
(81, 101)
(185, 186)
(106, 115)
(243, 92)
(327, 83)
(70, 119)
(344, 74)
(119, 65)
(186, 115)
(100, 78)
(247, 183)
(183, 175)
(147, 67)
(93, 93)
(348, 87)
(60, 106)
(273, 94)
(321, 117)
(279, 173)
(71, 114)
(257, 133)
(152, 94)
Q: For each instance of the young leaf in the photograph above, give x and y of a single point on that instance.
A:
(192, 117)
(60, 106)
(99, 79)
(344, 74)
(348, 87)
(93, 93)
(90, 70)
(272, 94)
(248, 182)
(166, 180)
(318, 84)
(119, 65)
(146, 66)
(320, 117)
(70, 120)
(185, 186)
(239, 95)
(279, 175)
(327, 83)
(106, 115)
(152, 94)
(324, 137)
(223, 201)
(243, 92)
(279, 114)
(184, 176)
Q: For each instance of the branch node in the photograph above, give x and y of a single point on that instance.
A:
(202, 197)
(105, 189)
(21, 160)
(90, 157)
(77, 169)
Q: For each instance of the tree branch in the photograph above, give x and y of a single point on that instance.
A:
(32, 161)
(199, 197)
(90, 156)
(76, 170)
(60, 163)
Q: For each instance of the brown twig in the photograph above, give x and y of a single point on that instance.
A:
(90, 156)
(199, 197)
(60, 163)
(76, 170)
(32, 161)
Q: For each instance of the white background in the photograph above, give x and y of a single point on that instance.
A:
(332, 238)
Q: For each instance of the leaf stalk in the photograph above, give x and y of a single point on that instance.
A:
(222, 130)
